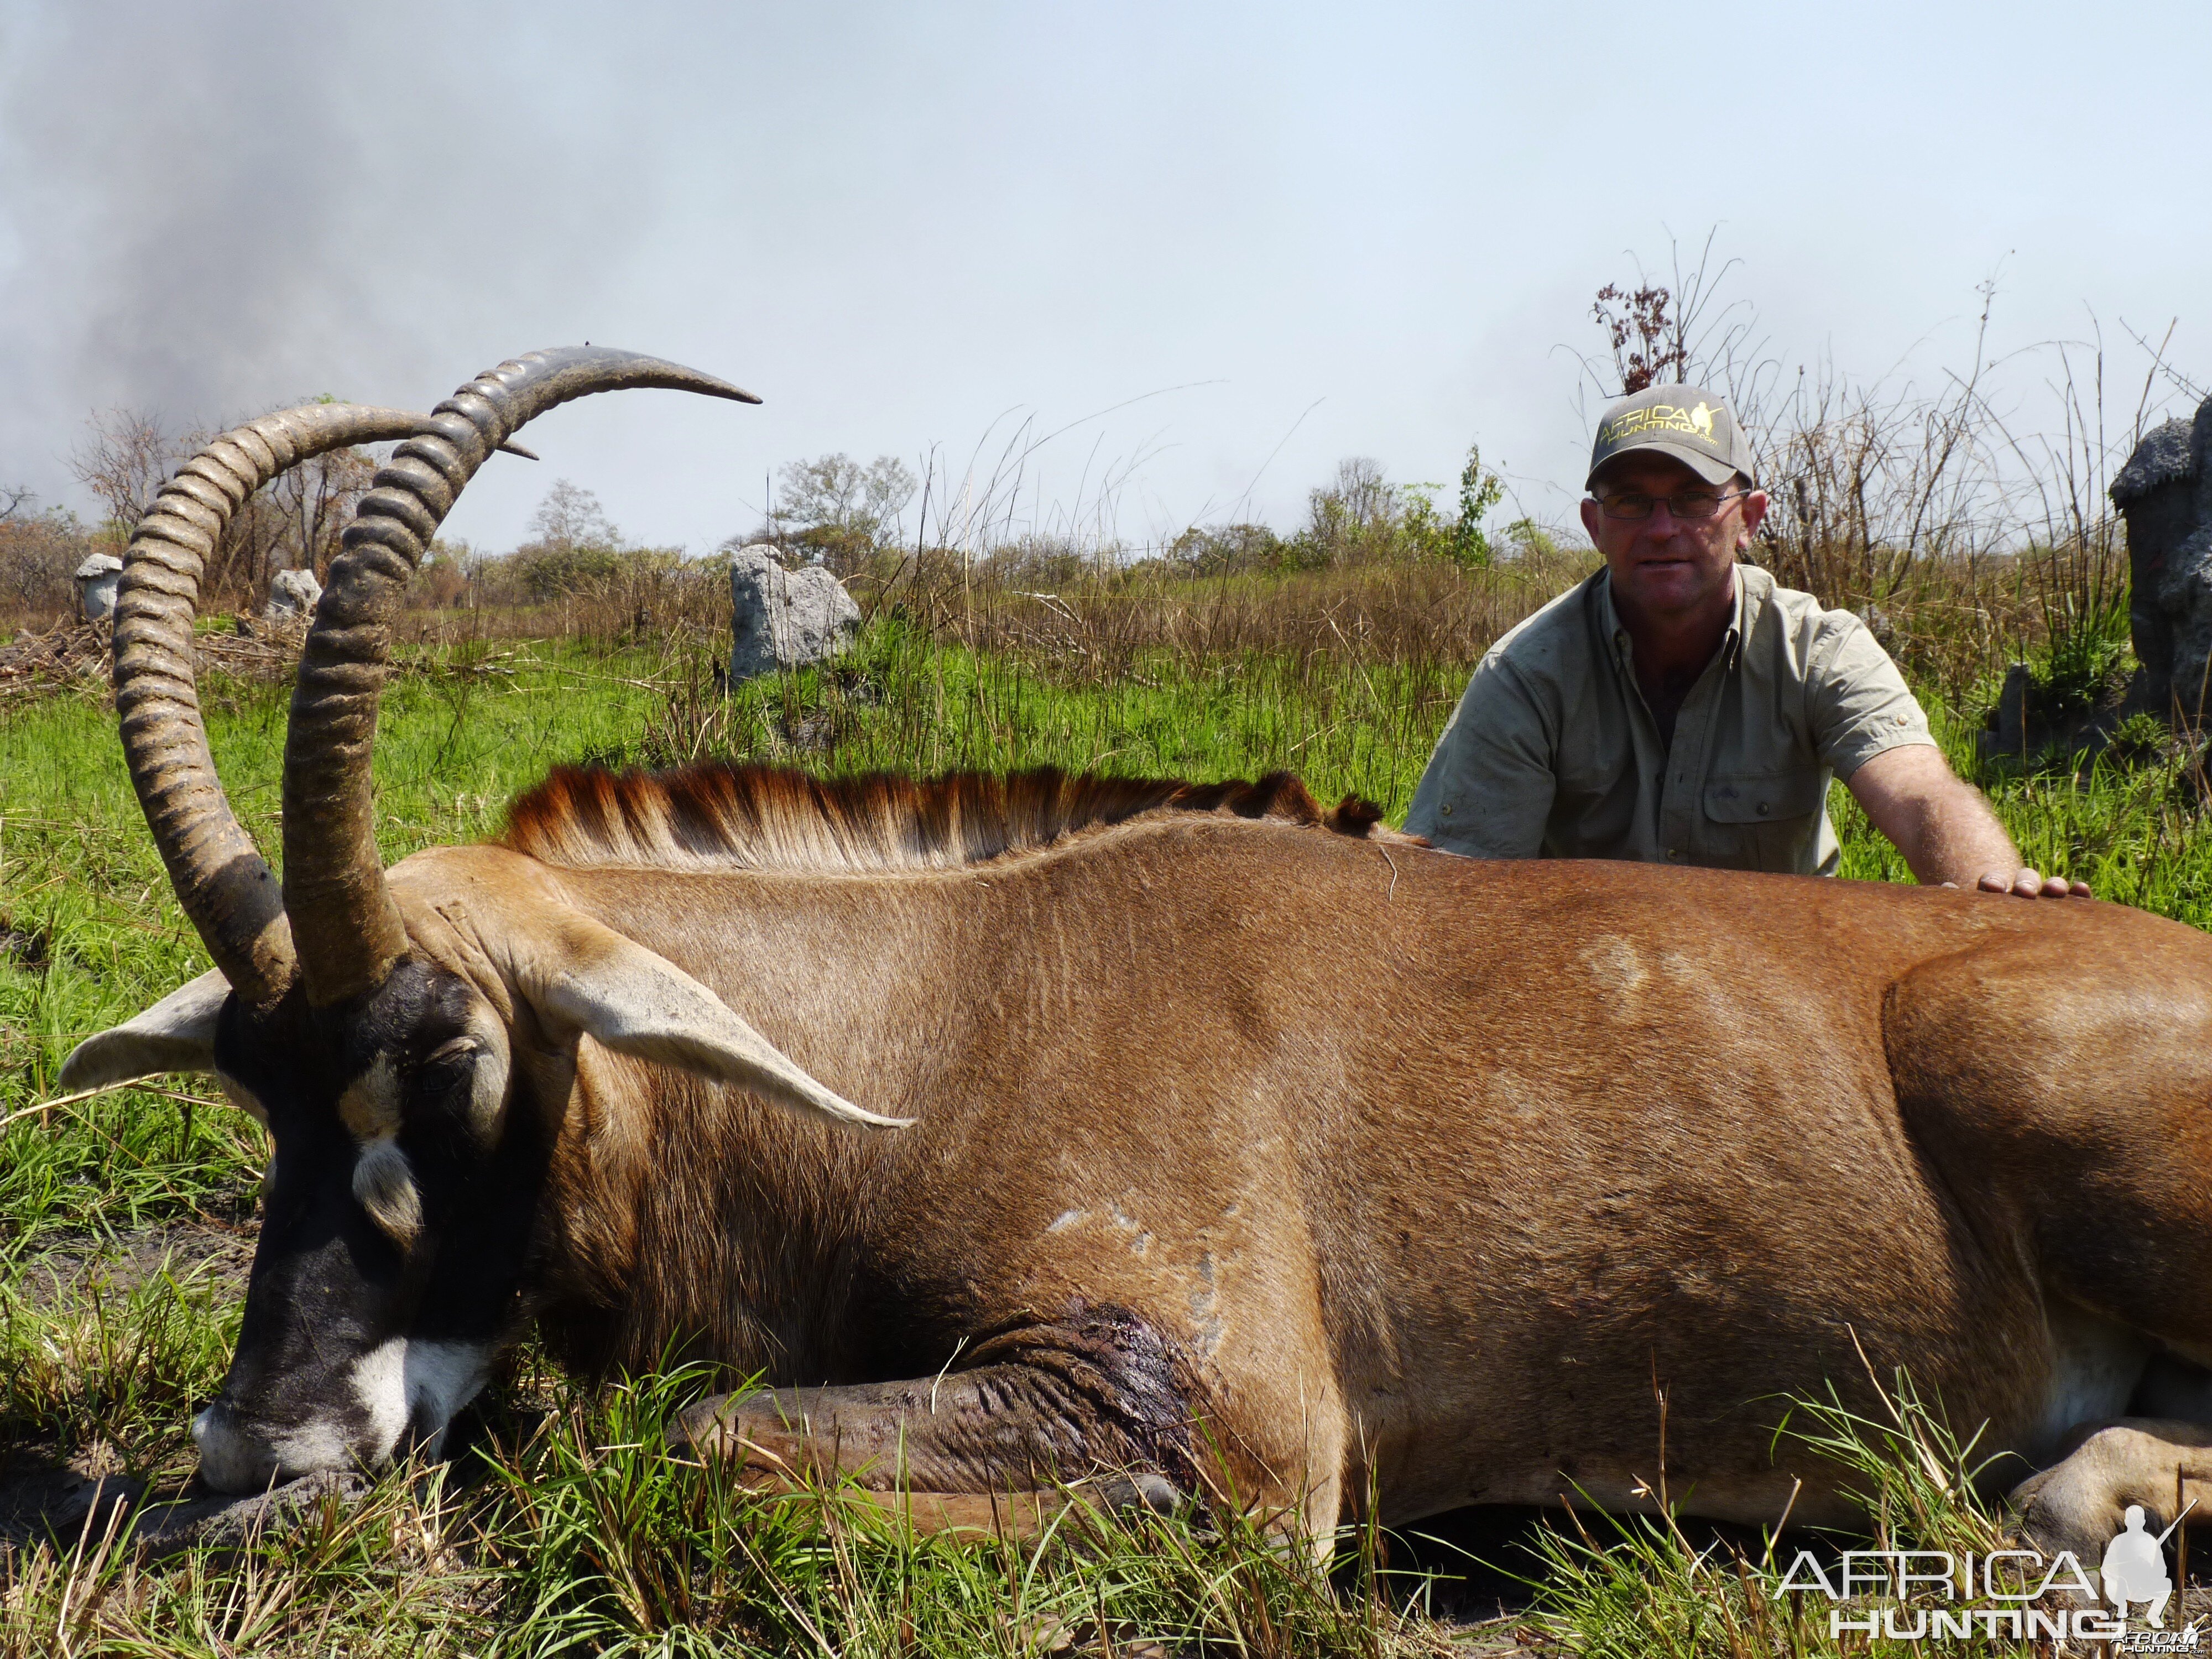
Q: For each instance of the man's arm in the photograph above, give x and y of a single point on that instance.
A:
(1944, 827)
(1489, 785)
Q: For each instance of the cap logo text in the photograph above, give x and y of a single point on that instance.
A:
(1698, 422)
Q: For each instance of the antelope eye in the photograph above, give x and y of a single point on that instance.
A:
(448, 1065)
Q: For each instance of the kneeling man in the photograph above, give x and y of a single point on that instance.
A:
(1680, 708)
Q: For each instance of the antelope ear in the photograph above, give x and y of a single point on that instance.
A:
(177, 1034)
(590, 979)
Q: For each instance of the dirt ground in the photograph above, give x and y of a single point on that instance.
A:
(48, 1489)
(66, 1270)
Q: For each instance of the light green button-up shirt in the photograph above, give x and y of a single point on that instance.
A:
(1553, 753)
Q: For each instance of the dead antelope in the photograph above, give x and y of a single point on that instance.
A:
(1201, 1137)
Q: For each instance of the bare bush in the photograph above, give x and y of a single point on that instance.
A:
(298, 520)
(1662, 332)
(39, 558)
(123, 458)
(294, 524)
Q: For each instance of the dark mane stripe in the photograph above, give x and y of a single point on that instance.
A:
(762, 817)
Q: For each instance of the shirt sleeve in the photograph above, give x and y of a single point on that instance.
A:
(1860, 703)
(1488, 789)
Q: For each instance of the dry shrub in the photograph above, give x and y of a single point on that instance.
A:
(1965, 545)
(38, 558)
(1100, 627)
(294, 523)
(656, 600)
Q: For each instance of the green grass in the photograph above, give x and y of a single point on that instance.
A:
(903, 704)
(1614, 1587)
(576, 1536)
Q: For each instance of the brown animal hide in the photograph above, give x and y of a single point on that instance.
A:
(1423, 1170)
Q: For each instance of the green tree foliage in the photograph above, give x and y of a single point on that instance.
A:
(838, 510)
(1228, 549)
(572, 546)
(1358, 518)
(1362, 518)
(1479, 492)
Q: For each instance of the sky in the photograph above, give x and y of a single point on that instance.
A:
(1201, 252)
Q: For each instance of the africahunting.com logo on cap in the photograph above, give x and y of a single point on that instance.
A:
(1687, 423)
(1921, 1595)
(1696, 419)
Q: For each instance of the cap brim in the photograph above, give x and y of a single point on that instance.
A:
(1712, 471)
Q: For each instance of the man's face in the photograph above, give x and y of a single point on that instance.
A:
(1667, 568)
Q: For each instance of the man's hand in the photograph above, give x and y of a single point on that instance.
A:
(2026, 884)
(1944, 827)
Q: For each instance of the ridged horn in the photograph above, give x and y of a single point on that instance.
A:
(220, 877)
(344, 924)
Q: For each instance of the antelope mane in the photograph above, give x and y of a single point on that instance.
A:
(721, 816)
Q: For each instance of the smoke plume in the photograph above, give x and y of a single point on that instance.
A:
(207, 209)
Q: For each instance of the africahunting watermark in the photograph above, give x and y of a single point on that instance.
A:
(1999, 1594)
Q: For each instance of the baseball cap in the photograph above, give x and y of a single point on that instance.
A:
(1687, 423)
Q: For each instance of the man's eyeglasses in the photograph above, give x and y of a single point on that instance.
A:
(1690, 504)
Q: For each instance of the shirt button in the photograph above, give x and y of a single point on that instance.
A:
(1762, 808)
(1447, 809)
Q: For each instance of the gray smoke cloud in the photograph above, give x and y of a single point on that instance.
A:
(207, 209)
(1325, 231)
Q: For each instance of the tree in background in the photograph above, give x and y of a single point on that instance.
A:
(1353, 518)
(123, 458)
(1479, 492)
(570, 518)
(40, 553)
(1362, 518)
(446, 577)
(295, 524)
(572, 544)
(1226, 550)
(299, 520)
(838, 511)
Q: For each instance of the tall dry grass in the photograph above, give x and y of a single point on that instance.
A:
(1393, 612)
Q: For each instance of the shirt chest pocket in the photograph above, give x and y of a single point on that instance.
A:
(1766, 820)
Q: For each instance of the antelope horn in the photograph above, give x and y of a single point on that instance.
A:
(344, 924)
(219, 876)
